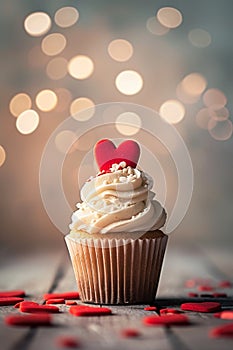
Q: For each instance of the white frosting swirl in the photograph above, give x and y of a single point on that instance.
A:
(118, 201)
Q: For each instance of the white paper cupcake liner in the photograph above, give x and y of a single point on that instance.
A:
(122, 272)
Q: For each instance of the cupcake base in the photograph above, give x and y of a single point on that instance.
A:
(117, 271)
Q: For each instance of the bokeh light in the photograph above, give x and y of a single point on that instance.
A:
(199, 37)
(202, 118)
(184, 96)
(27, 121)
(80, 67)
(129, 82)
(57, 68)
(220, 130)
(64, 139)
(169, 17)
(194, 84)
(218, 112)
(66, 16)
(53, 44)
(20, 103)
(37, 23)
(46, 100)
(2, 155)
(155, 27)
(172, 111)
(214, 97)
(120, 50)
(128, 123)
(84, 105)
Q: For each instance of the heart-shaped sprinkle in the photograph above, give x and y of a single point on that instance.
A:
(150, 308)
(55, 301)
(107, 154)
(71, 302)
(166, 320)
(64, 295)
(28, 320)
(205, 288)
(219, 295)
(169, 311)
(39, 308)
(225, 284)
(222, 331)
(192, 295)
(12, 293)
(10, 301)
(26, 302)
(82, 310)
(130, 333)
(68, 342)
(201, 307)
(226, 315)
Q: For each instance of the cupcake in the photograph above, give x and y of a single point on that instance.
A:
(115, 242)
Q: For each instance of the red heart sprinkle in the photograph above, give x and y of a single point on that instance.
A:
(39, 308)
(130, 333)
(226, 315)
(107, 154)
(201, 307)
(190, 283)
(26, 303)
(55, 301)
(10, 301)
(28, 320)
(150, 308)
(67, 342)
(82, 310)
(169, 311)
(225, 284)
(219, 295)
(205, 288)
(64, 295)
(12, 293)
(71, 302)
(192, 295)
(222, 331)
(166, 320)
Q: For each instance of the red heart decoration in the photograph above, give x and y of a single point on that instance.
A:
(106, 153)
(85, 310)
(167, 320)
(201, 307)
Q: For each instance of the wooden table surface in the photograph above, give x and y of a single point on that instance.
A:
(52, 272)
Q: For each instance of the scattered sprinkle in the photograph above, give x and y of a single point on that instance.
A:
(201, 307)
(150, 308)
(82, 310)
(166, 320)
(10, 301)
(130, 333)
(222, 331)
(55, 301)
(28, 320)
(64, 295)
(67, 342)
(12, 293)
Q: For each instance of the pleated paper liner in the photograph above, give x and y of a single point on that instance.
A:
(122, 271)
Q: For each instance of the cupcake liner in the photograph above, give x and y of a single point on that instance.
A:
(110, 271)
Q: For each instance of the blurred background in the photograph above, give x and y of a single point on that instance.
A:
(60, 57)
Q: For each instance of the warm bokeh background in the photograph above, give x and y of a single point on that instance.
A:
(182, 64)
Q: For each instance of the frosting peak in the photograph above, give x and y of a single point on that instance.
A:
(116, 201)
